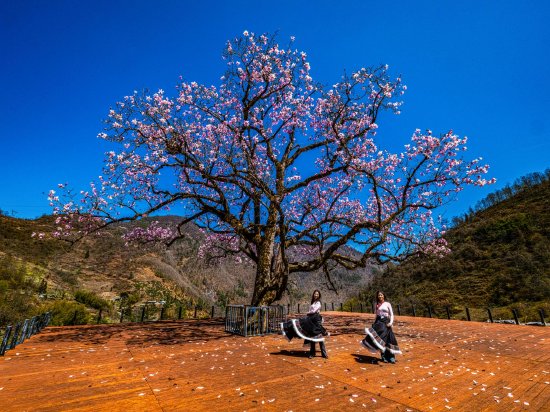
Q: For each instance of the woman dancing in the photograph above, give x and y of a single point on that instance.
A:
(310, 328)
(380, 336)
(314, 314)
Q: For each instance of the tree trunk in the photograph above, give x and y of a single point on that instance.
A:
(271, 277)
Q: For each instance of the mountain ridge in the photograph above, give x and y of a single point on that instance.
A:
(108, 268)
(500, 254)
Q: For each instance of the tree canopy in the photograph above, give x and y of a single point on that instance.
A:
(276, 168)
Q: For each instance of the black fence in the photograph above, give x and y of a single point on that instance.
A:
(247, 320)
(145, 313)
(492, 315)
(14, 335)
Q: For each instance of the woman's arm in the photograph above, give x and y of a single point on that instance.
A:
(390, 310)
(314, 308)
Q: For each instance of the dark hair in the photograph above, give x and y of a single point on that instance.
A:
(313, 295)
(376, 296)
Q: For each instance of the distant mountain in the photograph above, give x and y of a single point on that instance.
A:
(107, 267)
(500, 254)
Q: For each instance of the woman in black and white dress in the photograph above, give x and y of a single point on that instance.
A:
(315, 313)
(380, 336)
(310, 328)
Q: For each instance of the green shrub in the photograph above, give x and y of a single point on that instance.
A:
(90, 299)
(67, 313)
(16, 306)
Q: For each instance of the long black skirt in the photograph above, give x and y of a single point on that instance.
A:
(380, 337)
(309, 328)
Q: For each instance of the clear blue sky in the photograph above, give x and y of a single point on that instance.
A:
(480, 68)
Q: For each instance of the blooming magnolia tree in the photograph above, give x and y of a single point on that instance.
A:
(276, 168)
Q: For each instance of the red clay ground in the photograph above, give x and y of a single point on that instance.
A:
(194, 365)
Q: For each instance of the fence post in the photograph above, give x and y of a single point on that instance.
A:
(121, 313)
(341, 307)
(142, 313)
(372, 307)
(4, 344)
(333, 306)
(325, 306)
(46, 317)
(15, 336)
(490, 315)
(161, 312)
(212, 314)
(414, 311)
(195, 311)
(298, 308)
(541, 313)
(99, 316)
(42, 321)
(34, 327)
(245, 321)
(179, 313)
(399, 309)
(515, 312)
(361, 307)
(23, 332)
(288, 309)
(30, 329)
(447, 309)
(227, 319)
(429, 311)
(468, 314)
(263, 318)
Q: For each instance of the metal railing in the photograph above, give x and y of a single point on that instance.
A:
(247, 320)
(13, 336)
(457, 312)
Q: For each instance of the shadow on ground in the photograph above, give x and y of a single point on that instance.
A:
(154, 333)
(295, 353)
(365, 359)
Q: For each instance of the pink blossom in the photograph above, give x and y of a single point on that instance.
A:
(270, 159)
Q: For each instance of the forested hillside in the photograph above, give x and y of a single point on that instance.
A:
(39, 274)
(500, 254)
